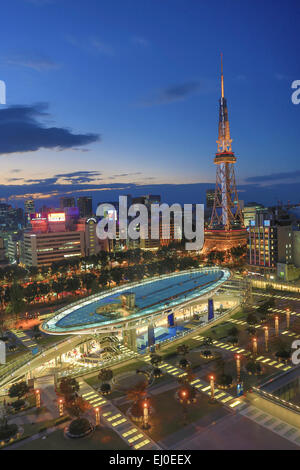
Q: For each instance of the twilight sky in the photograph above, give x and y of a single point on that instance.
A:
(121, 96)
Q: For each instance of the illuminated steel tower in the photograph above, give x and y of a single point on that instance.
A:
(226, 228)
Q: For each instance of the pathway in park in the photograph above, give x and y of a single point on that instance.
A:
(115, 419)
(238, 350)
(239, 404)
(25, 340)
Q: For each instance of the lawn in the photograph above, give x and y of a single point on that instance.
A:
(168, 416)
(47, 340)
(102, 439)
(93, 380)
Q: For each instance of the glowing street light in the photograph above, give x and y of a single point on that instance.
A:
(37, 398)
(276, 318)
(254, 345)
(97, 415)
(61, 407)
(288, 316)
(266, 338)
(145, 415)
(238, 367)
(212, 388)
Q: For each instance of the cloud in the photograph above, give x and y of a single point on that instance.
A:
(102, 47)
(291, 175)
(79, 177)
(181, 193)
(140, 41)
(21, 130)
(91, 45)
(34, 62)
(75, 177)
(174, 93)
(281, 77)
(122, 175)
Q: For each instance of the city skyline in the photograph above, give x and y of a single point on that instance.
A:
(131, 105)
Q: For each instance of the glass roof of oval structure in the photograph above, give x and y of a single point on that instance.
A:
(150, 296)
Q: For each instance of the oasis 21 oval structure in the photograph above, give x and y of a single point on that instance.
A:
(141, 313)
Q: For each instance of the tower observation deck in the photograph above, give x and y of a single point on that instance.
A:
(226, 228)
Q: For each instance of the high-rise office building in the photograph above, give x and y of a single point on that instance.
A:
(250, 211)
(29, 210)
(210, 198)
(263, 246)
(67, 202)
(85, 206)
(50, 240)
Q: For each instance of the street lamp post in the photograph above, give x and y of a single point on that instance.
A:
(238, 368)
(276, 325)
(266, 338)
(37, 398)
(61, 407)
(145, 416)
(97, 415)
(254, 344)
(288, 316)
(212, 388)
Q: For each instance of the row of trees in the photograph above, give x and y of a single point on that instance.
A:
(101, 261)
(16, 297)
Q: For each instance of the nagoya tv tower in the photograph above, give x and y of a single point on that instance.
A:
(226, 228)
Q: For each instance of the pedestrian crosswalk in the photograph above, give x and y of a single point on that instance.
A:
(201, 385)
(276, 296)
(115, 419)
(257, 327)
(237, 350)
(26, 340)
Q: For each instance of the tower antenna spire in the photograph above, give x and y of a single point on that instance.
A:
(222, 76)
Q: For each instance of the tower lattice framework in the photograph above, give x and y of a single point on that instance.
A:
(226, 213)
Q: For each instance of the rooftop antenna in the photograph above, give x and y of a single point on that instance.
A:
(222, 77)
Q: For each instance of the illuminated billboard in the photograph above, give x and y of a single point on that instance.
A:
(57, 217)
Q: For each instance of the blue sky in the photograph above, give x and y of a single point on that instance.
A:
(128, 90)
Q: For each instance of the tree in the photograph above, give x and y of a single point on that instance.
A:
(207, 341)
(233, 331)
(105, 388)
(68, 387)
(138, 392)
(17, 304)
(283, 353)
(155, 360)
(184, 363)
(224, 380)
(183, 350)
(6, 430)
(251, 330)
(187, 378)
(251, 319)
(220, 256)
(79, 426)
(253, 367)
(77, 406)
(105, 375)
(18, 390)
(157, 372)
